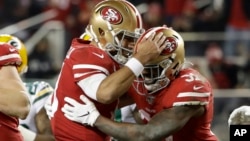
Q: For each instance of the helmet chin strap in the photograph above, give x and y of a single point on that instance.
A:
(152, 87)
(160, 83)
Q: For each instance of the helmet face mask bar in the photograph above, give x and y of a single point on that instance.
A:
(154, 77)
(124, 42)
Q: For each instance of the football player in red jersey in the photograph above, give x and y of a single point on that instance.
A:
(174, 101)
(14, 103)
(34, 126)
(93, 67)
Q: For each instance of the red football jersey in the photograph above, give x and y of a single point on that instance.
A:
(9, 131)
(189, 88)
(82, 61)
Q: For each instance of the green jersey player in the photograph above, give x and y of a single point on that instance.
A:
(37, 119)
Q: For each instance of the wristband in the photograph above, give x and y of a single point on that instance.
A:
(135, 66)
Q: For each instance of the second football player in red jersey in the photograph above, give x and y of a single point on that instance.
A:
(174, 101)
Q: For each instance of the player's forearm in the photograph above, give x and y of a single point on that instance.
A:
(115, 85)
(42, 122)
(19, 112)
(127, 131)
(158, 128)
(14, 99)
(120, 131)
(14, 103)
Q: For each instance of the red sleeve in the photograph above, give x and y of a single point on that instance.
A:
(193, 94)
(87, 60)
(9, 55)
(188, 89)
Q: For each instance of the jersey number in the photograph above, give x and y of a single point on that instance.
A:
(191, 77)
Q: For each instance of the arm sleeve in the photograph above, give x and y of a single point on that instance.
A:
(91, 84)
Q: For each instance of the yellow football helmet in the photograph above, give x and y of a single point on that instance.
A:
(158, 73)
(112, 22)
(15, 42)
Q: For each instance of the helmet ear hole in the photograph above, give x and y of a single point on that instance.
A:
(101, 32)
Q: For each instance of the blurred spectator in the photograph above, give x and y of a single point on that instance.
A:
(64, 10)
(179, 14)
(74, 14)
(223, 74)
(85, 11)
(40, 63)
(14, 10)
(236, 15)
(207, 16)
(153, 16)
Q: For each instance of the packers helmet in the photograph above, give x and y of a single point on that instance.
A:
(18, 44)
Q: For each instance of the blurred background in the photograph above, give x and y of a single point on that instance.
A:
(216, 34)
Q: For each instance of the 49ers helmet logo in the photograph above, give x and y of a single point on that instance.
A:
(112, 15)
(171, 46)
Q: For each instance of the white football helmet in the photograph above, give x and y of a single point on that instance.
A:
(158, 73)
(114, 23)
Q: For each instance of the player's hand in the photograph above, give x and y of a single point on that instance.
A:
(48, 107)
(81, 113)
(240, 116)
(150, 47)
